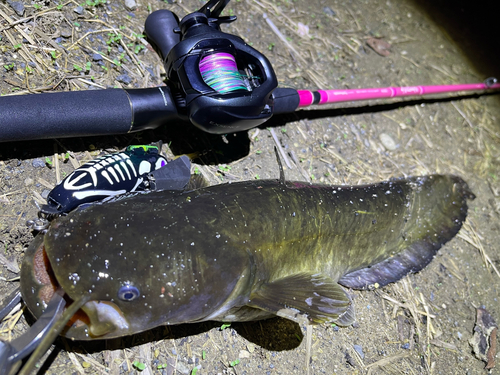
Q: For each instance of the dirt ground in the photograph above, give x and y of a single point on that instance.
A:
(420, 325)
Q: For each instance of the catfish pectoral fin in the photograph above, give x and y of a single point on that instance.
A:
(305, 298)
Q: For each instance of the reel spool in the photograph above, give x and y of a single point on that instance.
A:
(219, 82)
(220, 72)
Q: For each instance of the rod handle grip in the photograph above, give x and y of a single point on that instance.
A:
(84, 113)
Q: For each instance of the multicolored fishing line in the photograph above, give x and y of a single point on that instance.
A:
(220, 72)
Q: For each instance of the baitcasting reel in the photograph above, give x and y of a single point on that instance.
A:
(219, 82)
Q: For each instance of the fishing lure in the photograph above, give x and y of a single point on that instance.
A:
(238, 252)
(135, 169)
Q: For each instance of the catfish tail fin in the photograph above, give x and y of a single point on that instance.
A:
(438, 210)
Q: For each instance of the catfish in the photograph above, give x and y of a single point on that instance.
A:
(238, 252)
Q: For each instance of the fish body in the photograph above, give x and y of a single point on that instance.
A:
(239, 252)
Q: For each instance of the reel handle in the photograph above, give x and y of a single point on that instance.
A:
(160, 27)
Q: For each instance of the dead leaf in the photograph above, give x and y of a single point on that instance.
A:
(380, 46)
(11, 266)
(484, 341)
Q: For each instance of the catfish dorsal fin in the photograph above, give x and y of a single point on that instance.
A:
(280, 166)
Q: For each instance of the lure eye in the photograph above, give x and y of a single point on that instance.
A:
(128, 293)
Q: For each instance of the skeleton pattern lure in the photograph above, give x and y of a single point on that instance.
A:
(104, 177)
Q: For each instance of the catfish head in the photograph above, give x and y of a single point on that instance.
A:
(134, 281)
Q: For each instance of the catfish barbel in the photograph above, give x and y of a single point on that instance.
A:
(238, 252)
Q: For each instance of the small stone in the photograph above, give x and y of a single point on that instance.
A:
(79, 10)
(329, 11)
(29, 181)
(359, 350)
(96, 57)
(182, 368)
(130, 4)
(244, 354)
(250, 348)
(124, 78)
(66, 33)
(17, 6)
(38, 163)
(387, 142)
(303, 30)
(151, 72)
(406, 346)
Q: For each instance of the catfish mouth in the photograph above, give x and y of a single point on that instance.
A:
(94, 320)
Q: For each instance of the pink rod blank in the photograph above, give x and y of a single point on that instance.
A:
(335, 96)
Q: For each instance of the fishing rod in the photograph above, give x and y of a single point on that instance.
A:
(215, 80)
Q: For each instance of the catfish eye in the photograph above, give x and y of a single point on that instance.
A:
(128, 293)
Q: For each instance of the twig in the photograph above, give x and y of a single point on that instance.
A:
(282, 152)
(348, 45)
(406, 306)
(56, 164)
(442, 71)
(309, 329)
(410, 60)
(38, 14)
(89, 33)
(283, 39)
(337, 156)
(139, 67)
(477, 244)
(296, 54)
(91, 83)
(76, 364)
(385, 361)
(463, 115)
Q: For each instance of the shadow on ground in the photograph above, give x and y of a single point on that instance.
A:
(275, 334)
(473, 26)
